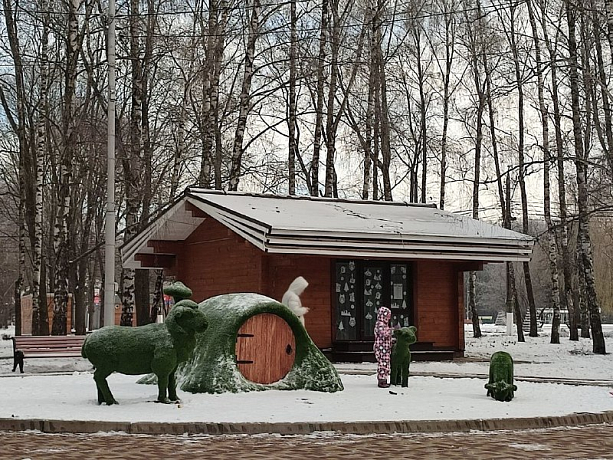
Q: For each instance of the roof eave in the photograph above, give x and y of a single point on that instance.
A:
(395, 254)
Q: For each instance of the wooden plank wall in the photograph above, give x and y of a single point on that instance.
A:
(436, 303)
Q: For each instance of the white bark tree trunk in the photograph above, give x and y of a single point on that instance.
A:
(583, 236)
(39, 302)
(245, 97)
(547, 162)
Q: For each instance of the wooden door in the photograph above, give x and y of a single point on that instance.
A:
(265, 348)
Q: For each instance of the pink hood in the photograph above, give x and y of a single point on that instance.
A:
(384, 314)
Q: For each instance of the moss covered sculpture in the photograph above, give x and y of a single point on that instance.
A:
(500, 385)
(401, 355)
(213, 369)
(157, 348)
(178, 291)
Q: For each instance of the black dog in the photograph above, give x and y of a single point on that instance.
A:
(18, 360)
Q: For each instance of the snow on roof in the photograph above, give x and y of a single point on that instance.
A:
(334, 227)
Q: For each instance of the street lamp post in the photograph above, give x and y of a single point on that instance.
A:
(109, 244)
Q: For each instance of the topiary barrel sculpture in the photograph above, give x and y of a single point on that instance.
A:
(500, 385)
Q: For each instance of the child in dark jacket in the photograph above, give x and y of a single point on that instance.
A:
(383, 345)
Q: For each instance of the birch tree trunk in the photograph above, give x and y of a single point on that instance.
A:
(422, 112)
(141, 277)
(386, 150)
(206, 123)
(375, 110)
(17, 122)
(579, 299)
(522, 172)
(607, 146)
(40, 316)
(609, 13)
(386, 154)
(133, 160)
(583, 237)
(81, 265)
(512, 303)
(590, 109)
(563, 240)
(60, 245)
(291, 121)
(245, 98)
(214, 36)
(319, 104)
(450, 32)
(158, 297)
(505, 201)
(219, 43)
(494, 142)
(376, 150)
(475, 51)
(61, 235)
(552, 252)
(180, 151)
(330, 125)
(370, 108)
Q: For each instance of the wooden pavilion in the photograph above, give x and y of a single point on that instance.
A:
(356, 256)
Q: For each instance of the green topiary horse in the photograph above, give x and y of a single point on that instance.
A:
(157, 348)
(401, 355)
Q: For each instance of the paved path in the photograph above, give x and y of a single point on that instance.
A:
(587, 442)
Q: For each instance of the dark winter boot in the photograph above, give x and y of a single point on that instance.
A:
(383, 383)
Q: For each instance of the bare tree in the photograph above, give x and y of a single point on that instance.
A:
(335, 42)
(132, 160)
(560, 152)
(547, 162)
(475, 42)
(584, 243)
(18, 120)
(445, 66)
(511, 34)
(319, 104)
(248, 71)
(70, 118)
(40, 318)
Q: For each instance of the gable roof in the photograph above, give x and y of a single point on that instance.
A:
(333, 227)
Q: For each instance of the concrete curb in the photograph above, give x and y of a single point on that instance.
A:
(302, 428)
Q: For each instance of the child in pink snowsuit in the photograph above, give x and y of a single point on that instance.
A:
(383, 345)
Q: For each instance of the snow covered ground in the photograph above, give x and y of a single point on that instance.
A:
(64, 389)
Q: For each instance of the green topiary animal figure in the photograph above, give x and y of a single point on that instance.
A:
(178, 291)
(157, 348)
(401, 355)
(500, 385)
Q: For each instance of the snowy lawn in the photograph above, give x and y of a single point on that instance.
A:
(69, 393)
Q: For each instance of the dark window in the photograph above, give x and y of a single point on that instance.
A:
(361, 287)
(346, 301)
